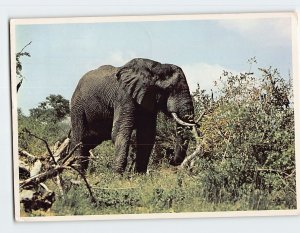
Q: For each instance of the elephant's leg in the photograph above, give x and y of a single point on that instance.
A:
(79, 132)
(83, 158)
(122, 129)
(145, 137)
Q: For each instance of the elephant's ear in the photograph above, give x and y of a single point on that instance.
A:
(139, 84)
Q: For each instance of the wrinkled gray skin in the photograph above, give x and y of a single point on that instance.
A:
(110, 102)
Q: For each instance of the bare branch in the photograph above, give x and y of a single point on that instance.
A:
(200, 117)
(25, 47)
(45, 142)
(61, 149)
(199, 151)
(26, 154)
(86, 183)
(36, 168)
(59, 184)
(273, 170)
(45, 187)
(42, 177)
(66, 163)
(71, 152)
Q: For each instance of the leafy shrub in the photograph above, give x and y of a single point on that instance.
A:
(103, 162)
(249, 140)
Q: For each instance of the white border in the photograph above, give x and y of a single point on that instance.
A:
(296, 86)
(109, 19)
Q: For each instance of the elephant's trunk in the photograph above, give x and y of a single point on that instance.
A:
(183, 125)
(181, 145)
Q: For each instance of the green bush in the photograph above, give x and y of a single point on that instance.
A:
(249, 141)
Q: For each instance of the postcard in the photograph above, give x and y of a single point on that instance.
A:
(169, 116)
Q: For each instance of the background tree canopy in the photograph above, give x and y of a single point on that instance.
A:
(55, 108)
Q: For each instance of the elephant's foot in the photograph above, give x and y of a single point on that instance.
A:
(119, 170)
(175, 162)
(120, 165)
(140, 170)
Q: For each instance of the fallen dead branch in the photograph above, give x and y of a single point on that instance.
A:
(43, 140)
(33, 178)
(27, 155)
(61, 149)
(41, 177)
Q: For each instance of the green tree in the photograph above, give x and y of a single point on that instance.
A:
(46, 121)
(54, 109)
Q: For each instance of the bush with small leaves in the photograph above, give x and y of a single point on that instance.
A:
(249, 140)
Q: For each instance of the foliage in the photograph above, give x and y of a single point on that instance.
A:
(19, 66)
(249, 141)
(165, 140)
(49, 120)
(54, 109)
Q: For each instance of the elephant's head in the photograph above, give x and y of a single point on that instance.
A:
(160, 87)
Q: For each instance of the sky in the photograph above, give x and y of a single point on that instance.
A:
(62, 53)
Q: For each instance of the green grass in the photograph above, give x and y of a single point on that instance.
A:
(166, 190)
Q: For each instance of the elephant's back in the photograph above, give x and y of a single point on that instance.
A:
(96, 82)
(104, 71)
(99, 76)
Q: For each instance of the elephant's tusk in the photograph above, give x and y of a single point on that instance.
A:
(181, 122)
(196, 132)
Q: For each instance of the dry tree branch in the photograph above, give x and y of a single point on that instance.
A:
(199, 151)
(71, 153)
(67, 163)
(201, 116)
(58, 178)
(26, 154)
(44, 141)
(93, 199)
(58, 169)
(42, 176)
(61, 149)
(59, 184)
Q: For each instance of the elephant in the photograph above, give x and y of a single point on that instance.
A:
(110, 102)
